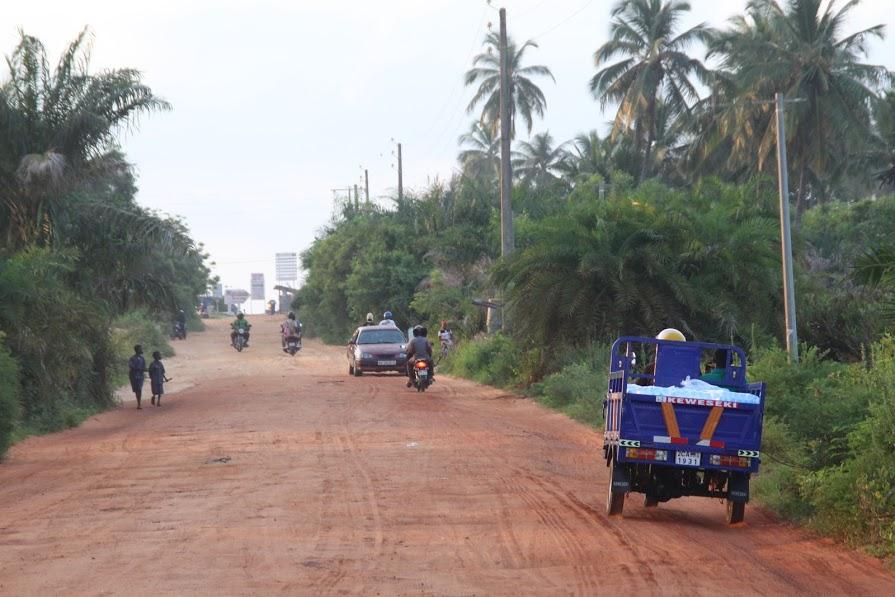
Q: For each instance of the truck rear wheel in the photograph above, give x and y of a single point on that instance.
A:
(615, 503)
(736, 512)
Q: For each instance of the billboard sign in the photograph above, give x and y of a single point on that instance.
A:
(258, 287)
(235, 296)
(287, 267)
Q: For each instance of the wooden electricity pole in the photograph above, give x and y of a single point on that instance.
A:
(506, 169)
(367, 184)
(400, 175)
(789, 287)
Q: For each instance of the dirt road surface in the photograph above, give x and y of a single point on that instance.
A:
(263, 473)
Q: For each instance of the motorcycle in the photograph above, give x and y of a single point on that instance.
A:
(421, 378)
(293, 344)
(239, 342)
(179, 332)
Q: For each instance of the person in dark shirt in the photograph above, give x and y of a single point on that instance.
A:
(136, 366)
(157, 378)
(419, 348)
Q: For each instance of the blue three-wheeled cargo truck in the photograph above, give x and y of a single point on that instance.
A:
(673, 430)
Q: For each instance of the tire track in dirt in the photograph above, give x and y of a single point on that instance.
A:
(336, 484)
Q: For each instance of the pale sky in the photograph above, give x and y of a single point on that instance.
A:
(278, 102)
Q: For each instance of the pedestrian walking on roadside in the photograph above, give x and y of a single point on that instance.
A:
(157, 378)
(136, 366)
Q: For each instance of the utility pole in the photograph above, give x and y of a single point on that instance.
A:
(506, 169)
(367, 184)
(356, 200)
(400, 175)
(789, 291)
(507, 241)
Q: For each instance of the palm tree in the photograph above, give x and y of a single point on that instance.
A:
(877, 268)
(642, 265)
(480, 156)
(526, 98)
(654, 68)
(801, 50)
(590, 155)
(58, 126)
(885, 123)
(539, 162)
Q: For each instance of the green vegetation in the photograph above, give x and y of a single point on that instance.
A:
(9, 395)
(77, 252)
(670, 220)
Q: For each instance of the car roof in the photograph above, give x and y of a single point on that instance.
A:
(378, 327)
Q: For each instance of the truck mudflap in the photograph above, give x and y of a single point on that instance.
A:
(621, 478)
(738, 488)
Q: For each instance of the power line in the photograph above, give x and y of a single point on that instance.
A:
(531, 9)
(564, 21)
(455, 93)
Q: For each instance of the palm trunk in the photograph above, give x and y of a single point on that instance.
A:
(650, 136)
(638, 141)
(800, 194)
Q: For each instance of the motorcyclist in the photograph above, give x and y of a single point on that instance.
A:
(369, 320)
(387, 319)
(290, 327)
(419, 348)
(241, 323)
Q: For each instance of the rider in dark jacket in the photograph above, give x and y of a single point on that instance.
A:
(419, 348)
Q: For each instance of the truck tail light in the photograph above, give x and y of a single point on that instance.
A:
(731, 461)
(646, 454)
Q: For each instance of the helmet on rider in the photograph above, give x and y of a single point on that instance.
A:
(291, 315)
(423, 331)
(671, 334)
(239, 315)
(417, 330)
(387, 315)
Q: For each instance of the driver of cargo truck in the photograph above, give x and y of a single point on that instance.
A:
(717, 368)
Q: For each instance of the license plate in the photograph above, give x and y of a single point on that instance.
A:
(386, 363)
(424, 373)
(687, 458)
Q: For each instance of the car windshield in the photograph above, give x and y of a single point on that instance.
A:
(381, 337)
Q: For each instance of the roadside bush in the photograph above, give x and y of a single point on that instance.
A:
(821, 401)
(857, 497)
(576, 390)
(829, 444)
(136, 327)
(783, 464)
(494, 360)
(9, 396)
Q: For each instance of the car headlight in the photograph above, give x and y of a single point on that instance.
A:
(366, 355)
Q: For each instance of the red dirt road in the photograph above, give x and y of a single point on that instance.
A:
(266, 473)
